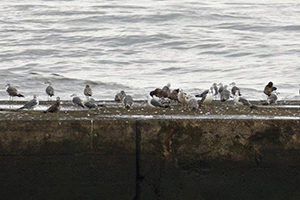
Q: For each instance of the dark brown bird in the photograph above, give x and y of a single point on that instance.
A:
(159, 93)
(12, 91)
(269, 88)
(54, 108)
(174, 95)
(88, 91)
(119, 97)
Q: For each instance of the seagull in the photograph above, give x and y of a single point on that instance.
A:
(225, 94)
(174, 95)
(167, 88)
(12, 92)
(31, 104)
(159, 93)
(119, 97)
(88, 91)
(181, 97)
(271, 99)
(192, 103)
(241, 101)
(154, 103)
(128, 101)
(215, 89)
(77, 101)
(220, 87)
(90, 103)
(269, 88)
(54, 108)
(235, 89)
(207, 98)
(49, 90)
(204, 93)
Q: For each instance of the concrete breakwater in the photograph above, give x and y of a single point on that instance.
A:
(220, 152)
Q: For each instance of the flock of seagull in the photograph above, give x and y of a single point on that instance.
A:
(158, 98)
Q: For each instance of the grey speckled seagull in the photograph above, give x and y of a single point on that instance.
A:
(128, 101)
(192, 103)
(225, 94)
(91, 103)
(49, 90)
(31, 104)
(77, 101)
(154, 103)
(241, 101)
(12, 92)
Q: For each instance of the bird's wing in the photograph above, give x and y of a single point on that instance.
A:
(30, 103)
(156, 103)
(244, 101)
(50, 90)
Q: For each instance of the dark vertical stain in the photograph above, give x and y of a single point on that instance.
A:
(138, 161)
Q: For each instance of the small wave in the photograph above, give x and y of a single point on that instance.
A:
(172, 69)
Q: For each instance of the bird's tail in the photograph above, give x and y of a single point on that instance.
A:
(21, 108)
(20, 95)
(195, 109)
(253, 106)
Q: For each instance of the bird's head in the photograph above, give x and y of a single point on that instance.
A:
(151, 93)
(48, 82)
(270, 84)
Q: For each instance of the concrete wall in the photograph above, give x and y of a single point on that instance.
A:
(120, 158)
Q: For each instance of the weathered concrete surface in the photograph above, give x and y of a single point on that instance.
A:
(73, 159)
(220, 159)
(157, 154)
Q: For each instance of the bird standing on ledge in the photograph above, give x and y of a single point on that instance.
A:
(269, 88)
(12, 92)
(88, 91)
(54, 108)
(49, 90)
(119, 97)
(31, 104)
(77, 101)
(159, 93)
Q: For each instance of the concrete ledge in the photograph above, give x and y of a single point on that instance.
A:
(92, 155)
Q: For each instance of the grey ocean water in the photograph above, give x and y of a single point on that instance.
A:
(137, 46)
